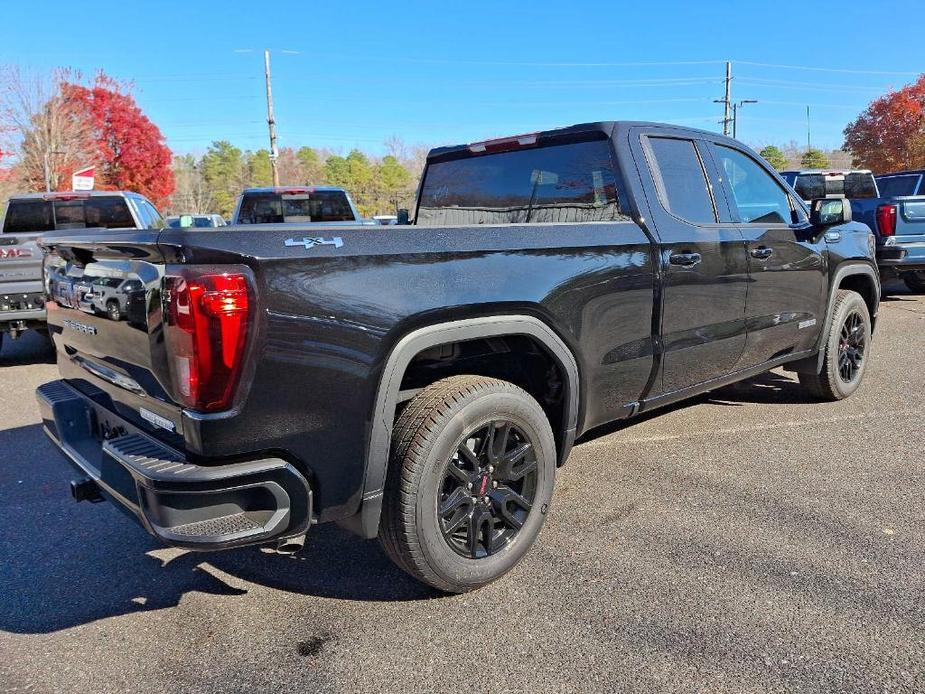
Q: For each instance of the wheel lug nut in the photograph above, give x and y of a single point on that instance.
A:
(491, 468)
(474, 500)
(469, 486)
(494, 485)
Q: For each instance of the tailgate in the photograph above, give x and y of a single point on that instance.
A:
(118, 353)
(911, 218)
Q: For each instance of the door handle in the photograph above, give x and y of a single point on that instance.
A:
(762, 253)
(684, 259)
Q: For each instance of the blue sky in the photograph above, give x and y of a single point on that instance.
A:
(352, 74)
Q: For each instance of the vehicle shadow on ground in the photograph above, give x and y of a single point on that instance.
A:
(771, 388)
(63, 564)
(29, 348)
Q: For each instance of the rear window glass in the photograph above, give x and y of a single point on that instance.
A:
(810, 186)
(28, 215)
(852, 185)
(560, 183)
(860, 185)
(273, 208)
(47, 215)
(894, 186)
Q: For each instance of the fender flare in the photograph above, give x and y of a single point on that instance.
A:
(366, 522)
(814, 364)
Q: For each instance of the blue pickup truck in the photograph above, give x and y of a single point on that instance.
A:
(897, 218)
(892, 205)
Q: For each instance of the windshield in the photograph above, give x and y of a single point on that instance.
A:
(276, 208)
(33, 215)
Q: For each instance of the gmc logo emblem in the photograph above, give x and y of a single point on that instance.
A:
(15, 253)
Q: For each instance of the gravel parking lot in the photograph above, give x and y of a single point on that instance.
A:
(749, 541)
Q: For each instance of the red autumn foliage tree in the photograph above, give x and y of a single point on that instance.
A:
(130, 150)
(890, 134)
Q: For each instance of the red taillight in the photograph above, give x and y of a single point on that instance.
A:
(207, 317)
(886, 220)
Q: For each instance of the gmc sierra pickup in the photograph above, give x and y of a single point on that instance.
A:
(422, 383)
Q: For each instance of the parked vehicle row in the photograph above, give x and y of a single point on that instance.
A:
(422, 383)
(892, 205)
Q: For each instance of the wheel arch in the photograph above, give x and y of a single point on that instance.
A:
(859, 277)
(366, 522)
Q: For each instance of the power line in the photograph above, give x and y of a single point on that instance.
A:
(828, 69)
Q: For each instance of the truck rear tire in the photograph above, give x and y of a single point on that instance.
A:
(915, 281)
(846, 348)
(471, 475)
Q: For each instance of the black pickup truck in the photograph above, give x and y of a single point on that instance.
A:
(422, 383)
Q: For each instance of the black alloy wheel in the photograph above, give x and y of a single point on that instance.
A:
(851, 346)
(488, 489)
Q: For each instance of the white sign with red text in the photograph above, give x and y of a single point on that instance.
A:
(83, 179)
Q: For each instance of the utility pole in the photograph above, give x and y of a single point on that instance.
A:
(727, 100)
(808, 141)
(271, 122)
(735, 113)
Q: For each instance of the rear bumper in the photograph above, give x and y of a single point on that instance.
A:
(901, 258)
(203, 507)
(30, 316)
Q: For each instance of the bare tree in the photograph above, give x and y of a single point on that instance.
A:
(192, 193)
(52, 136)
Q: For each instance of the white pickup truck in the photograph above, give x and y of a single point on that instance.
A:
(28, 216)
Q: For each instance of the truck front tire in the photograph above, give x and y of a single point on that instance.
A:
(846, 350)
(472, 469)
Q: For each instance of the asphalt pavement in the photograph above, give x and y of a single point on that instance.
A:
(748, 541)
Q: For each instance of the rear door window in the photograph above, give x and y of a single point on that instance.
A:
(681, 180)
(573, 183)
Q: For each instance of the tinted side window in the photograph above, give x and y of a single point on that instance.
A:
(757, 196)
(894, 186)
(28, 215)
(683, 182)
(559, 183)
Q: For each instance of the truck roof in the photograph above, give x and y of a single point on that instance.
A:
(827, 172)
(72, 194)
(911, 172)
(565, 133)
(292, 189)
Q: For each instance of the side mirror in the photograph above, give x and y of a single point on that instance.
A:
(827, 212)
(402, 216)
(186, 221)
